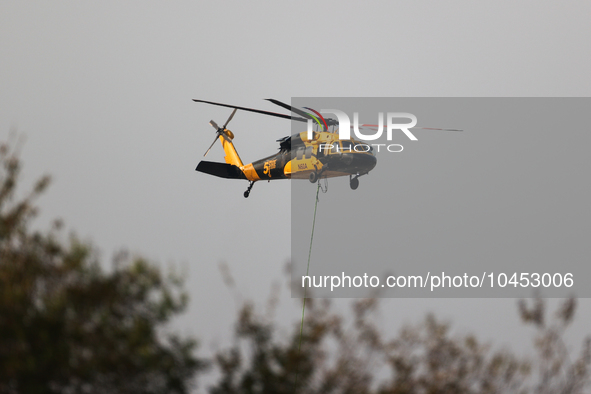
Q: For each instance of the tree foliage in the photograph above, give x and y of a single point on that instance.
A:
(67, 326)
(338, 355)
(557, 370)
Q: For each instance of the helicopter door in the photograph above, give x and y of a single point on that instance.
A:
(299, 153)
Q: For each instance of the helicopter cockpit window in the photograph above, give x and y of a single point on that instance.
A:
(309, 152)
(361, 147)
(336, 148)
(347, 146)
(299, 153)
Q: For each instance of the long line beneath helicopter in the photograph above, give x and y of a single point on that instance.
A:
(306, 287)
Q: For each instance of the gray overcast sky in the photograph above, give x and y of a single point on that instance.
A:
(103, 93)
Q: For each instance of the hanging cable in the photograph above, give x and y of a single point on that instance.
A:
(307, 271)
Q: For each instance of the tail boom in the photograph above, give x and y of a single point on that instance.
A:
(231, 154)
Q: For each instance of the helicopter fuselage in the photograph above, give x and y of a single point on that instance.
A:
(324, 155)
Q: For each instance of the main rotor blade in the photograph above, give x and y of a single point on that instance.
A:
(253, 110)
(375, 126)
(211, 146)
(431, 128)
(230, 118)
(328, 121)
(292, 109)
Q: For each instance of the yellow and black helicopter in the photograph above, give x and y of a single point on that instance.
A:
(299, 157)
(307, 155)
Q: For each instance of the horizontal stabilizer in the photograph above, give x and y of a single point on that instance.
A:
(223, 170)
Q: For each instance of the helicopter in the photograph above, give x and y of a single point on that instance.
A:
(299, 157)
(311, 155)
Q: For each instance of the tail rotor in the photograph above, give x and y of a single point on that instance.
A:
(220, 131)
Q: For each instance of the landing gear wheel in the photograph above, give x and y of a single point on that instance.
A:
(313, 177)
(246, 194)
(354, 183)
